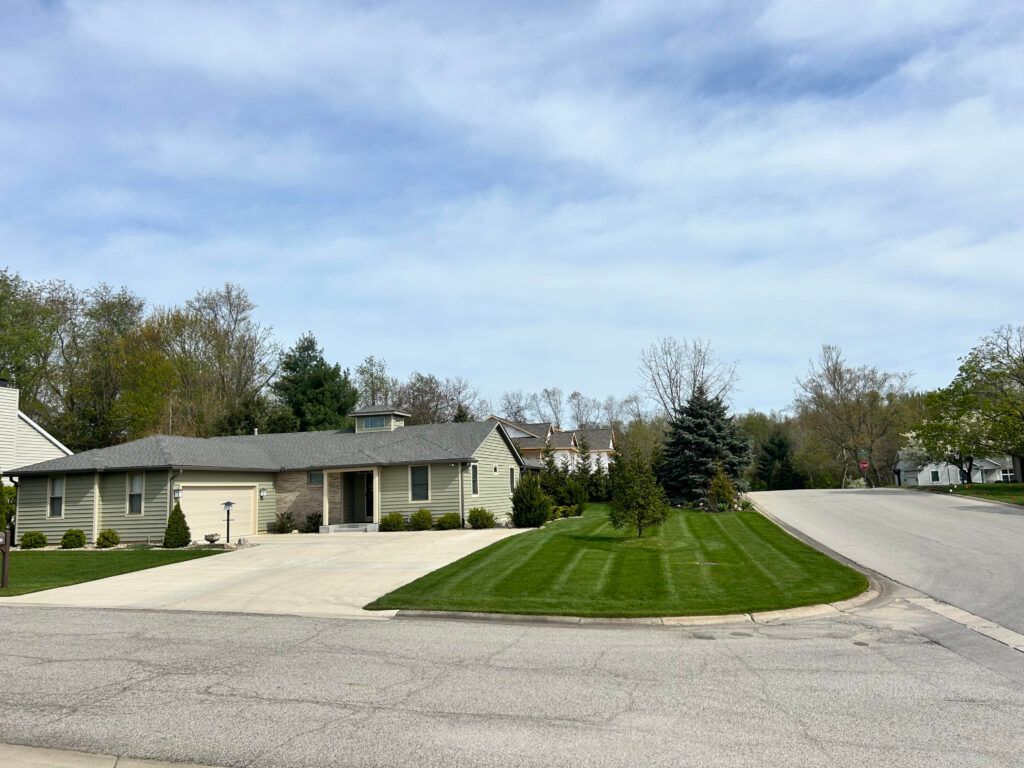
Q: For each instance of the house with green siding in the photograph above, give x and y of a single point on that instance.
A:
(348, 479)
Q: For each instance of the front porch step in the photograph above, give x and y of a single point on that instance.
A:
(349, 528)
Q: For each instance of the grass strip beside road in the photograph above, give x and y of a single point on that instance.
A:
(697, 563)
(1010, 493)
(35, 571)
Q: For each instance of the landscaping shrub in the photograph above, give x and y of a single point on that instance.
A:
(721, 496)
(576, 495)
(421, 520)
(8, 503)
(449, 521)
(108, 538)
(73, 538)
(480, 518)
(313, 522)
(284, 522)
(33, 540)
(530, 505)
(391, 522)
(177, 533)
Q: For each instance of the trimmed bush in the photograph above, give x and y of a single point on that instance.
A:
(421, 520)
(108, 538)
(33, 540)
(530, 505)
(313, 522)
(480, 518)
(449, 521)
(284, 522)
(73, 538)
(391, 522)
(177, 533)
(576, 495)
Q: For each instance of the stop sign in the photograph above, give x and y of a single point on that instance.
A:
(863, 464)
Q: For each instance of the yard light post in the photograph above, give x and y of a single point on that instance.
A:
(227, 511)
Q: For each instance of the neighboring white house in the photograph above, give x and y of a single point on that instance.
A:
(531, 440)
(22, 441)
(943, 473)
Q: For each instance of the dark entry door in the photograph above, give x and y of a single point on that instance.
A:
(368, 508)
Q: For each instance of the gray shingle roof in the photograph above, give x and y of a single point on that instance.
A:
(599, 439)
(428, 443)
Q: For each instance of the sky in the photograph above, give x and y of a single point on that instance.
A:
(526, 194)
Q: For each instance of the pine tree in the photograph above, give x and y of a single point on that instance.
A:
(177, 533)
(701, 436)
(318, 393)
(638, 501)
(774, 470)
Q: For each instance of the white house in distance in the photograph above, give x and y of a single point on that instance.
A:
(912, 473)
(565, 443)
(22, 441)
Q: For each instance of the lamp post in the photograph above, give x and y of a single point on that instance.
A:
(227, 511)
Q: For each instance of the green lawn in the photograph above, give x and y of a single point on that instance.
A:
(34, 571)
(1011, 493)
(697, 563)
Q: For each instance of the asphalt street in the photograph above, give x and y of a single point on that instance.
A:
(961, 551)
(863, 689)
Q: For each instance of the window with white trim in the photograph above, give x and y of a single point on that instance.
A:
(314, 478)
(419, 483)
(375, 422)
(474, 476)
(935, 475)
(136, 484)
(1007, 475)
(511, 479)
(56, 508)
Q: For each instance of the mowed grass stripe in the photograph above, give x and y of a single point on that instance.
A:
(584, 567)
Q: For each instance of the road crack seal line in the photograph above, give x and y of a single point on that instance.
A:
(989, 629)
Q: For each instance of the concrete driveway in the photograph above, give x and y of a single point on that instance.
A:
(301, 575)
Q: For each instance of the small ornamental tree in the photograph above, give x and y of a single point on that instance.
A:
(177, 533)
(530, 505)
(576, 495)
(638, 501)
(721, 495)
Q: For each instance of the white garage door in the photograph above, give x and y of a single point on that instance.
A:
(203, 506)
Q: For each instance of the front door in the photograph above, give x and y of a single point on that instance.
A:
(368, 503)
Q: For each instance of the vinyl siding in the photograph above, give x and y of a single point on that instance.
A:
(495, 494)
(147, 527)
(8, 428)
(266, 508)
(444, 490)
(78, 506)
(32, 447)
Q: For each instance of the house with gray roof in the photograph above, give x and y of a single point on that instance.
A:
(532, 439)
(348, 479)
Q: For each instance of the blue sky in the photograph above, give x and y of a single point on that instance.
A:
(526, 194)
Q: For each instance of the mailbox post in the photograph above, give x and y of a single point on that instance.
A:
(5, 556)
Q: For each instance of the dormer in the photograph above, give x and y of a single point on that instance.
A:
(378, 419)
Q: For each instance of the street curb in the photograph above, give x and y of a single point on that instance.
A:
(1018, 508)
(18, 756)
(756, 617)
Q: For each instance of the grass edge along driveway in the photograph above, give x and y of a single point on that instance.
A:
(35, 571)
(697, 563)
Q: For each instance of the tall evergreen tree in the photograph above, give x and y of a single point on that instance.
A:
(701, 436)
(774, 470)
(318, 393)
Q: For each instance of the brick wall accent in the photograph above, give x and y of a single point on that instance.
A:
(296, 496)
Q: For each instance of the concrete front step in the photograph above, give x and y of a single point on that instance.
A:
(349, 528)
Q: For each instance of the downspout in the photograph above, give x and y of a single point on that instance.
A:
(95, 506)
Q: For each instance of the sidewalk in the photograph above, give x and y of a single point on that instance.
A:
(13, 756)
